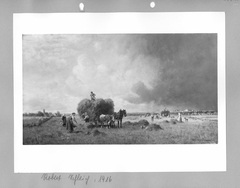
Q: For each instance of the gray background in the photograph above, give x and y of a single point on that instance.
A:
(231, 178)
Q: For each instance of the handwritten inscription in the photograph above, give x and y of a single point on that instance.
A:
(51, 177)
(105, 179)
(77, 178)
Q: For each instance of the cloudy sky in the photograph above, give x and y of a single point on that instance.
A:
(139, 72)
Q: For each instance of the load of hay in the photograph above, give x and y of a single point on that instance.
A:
(153, 127)
(94, 108)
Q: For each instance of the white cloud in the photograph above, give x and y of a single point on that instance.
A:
(111, 75)
(61, 70)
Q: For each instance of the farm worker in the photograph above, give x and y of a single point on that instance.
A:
(152, 117)
(70, 122)
(86, 117)
(64, 120)
(93, 96)
(179, 118)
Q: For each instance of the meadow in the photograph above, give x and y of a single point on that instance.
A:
(166, 130)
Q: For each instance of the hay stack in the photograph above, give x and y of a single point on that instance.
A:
(154, 127)
(143, 122)
(127, 123)
(97, 133)
(173, 121)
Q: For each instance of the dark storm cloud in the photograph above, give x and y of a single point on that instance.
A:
(187, 75)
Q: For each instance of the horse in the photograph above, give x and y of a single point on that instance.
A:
(119, 116)
(106, 118)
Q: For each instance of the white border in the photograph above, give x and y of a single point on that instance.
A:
(119, 158)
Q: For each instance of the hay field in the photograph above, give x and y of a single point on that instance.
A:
(197, 130)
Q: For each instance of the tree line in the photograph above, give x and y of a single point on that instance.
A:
(41, 114)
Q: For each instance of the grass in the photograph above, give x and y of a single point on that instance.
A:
(34, 121)
(52, 132)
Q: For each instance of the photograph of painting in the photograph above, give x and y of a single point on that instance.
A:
(119, 86)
